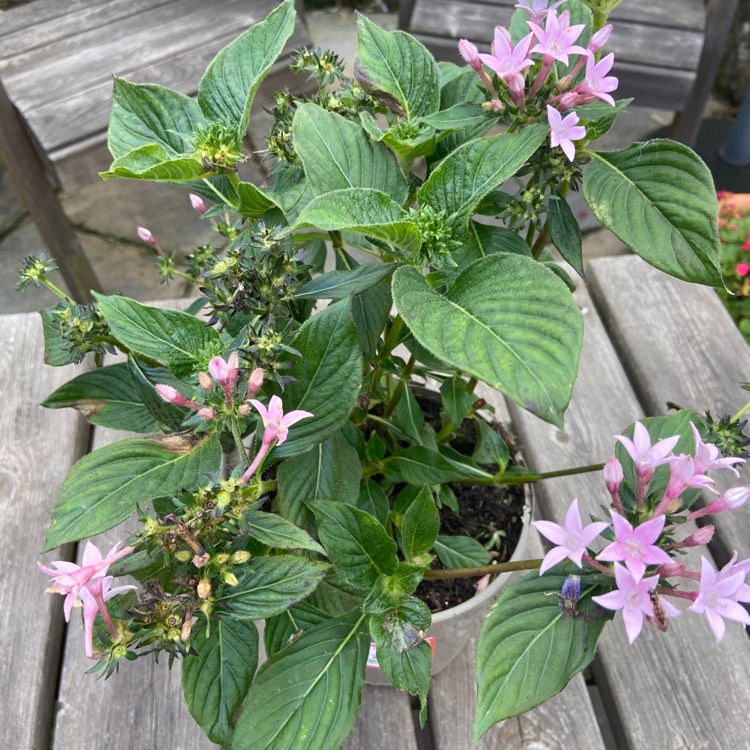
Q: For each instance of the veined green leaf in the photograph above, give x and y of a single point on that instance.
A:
(362, 210)
(270, 585)
(215, 681)
(356, 542)
(462, 115)
(252, 201)
(506, 320)
(178, 339)
(338, 284)
(464, 177)
(529, 647)
(277, 532)
(107, 397)
(420, 525)
(145, 113)
(326, 378)
(337, 154)
(106, 486)
(307, 696)
(154, 163)
(228, 86)
(458, 551)
(565, 232)
(396, 68)
(658, 198)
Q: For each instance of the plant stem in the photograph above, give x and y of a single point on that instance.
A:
(391, 340)
(56, 290)
(541, 241)
(238, 441)
(535, 477)
(482, 570)
(738, 415)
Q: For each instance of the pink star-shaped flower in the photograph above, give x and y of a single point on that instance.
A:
(563, 131)
(635, 546)
(571, 539)
(94, 595)
(536, 9)
(646, 456)
(507, 61)
(276, 424)
(596, 82)
(707, 456)
(633, 597)
(556, 39)
(718, 597)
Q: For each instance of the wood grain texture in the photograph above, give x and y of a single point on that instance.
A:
(703, 689)
(566, 721)
(678, 344)
(384, 721)
(37, 449)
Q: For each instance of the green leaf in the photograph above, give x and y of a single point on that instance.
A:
(337, 154)
(356, 542)
(145, 113)
(57, 353)
(461, 115)
(506, 320)
(363, 210)
(420, 525)
(373, 500)
(228, 86)
(599, 116)
(307, 696)
(420, 465)
(271, 585)
(461, 552)
(326, 378)
(408, 416)
(107, 397)
(277, 532)
(178, 339)
(529, 648)
(464, 177)
(280, 630)
(658, 198)
(394, 67)
(565, 232)
(490, 448)
(456, 400)
(107, 485)
(485, 239)
(371, 310)
(338, 284)
(252, 201)
(146, 379)
(154, 163)
(406, 141)
(215, 681)
(330, 471)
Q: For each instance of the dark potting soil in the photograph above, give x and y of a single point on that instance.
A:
(483, 511)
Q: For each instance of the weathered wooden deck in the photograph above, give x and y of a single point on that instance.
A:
(648, 339)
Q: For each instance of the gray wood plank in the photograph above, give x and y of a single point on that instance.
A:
(384, 721)
(566, 721)
(705, 696)
(37, 448)
(679, 344)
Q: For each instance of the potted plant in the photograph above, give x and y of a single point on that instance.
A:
(734, 233)
(290, 471)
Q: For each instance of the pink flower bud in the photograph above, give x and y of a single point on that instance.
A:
(243, 410)
(197, 203)
(254, 382)
(470, 53)
(735, 497)
(206, 414)
(671, 569)
(219, 370)
(567, 100)
(146, 236)
(742, 269)
(599, 39)
(613, 474)
(698, 538)
(234, 366)
(205, 381)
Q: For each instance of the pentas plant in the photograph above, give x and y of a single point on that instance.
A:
(287, 470)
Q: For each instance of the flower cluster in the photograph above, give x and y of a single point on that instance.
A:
(538, 67)
(642, 547)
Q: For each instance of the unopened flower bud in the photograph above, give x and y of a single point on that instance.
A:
(613, 474)
(173, 396)
(496, 105)
(200, 560)
(146, 236)
(243, 410)
(221, 559)
(205, 381)
(219, 370)
(735, 497)
(599, 39)
(204, 588)
(206, 413)
(470, 53)
(187, 627)
(567, 100)
(671, 569)
(197, 203)
(229, 578)
(254, 383)
(183, 555)
(242, 556)
(482, 583)
(698, 538)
